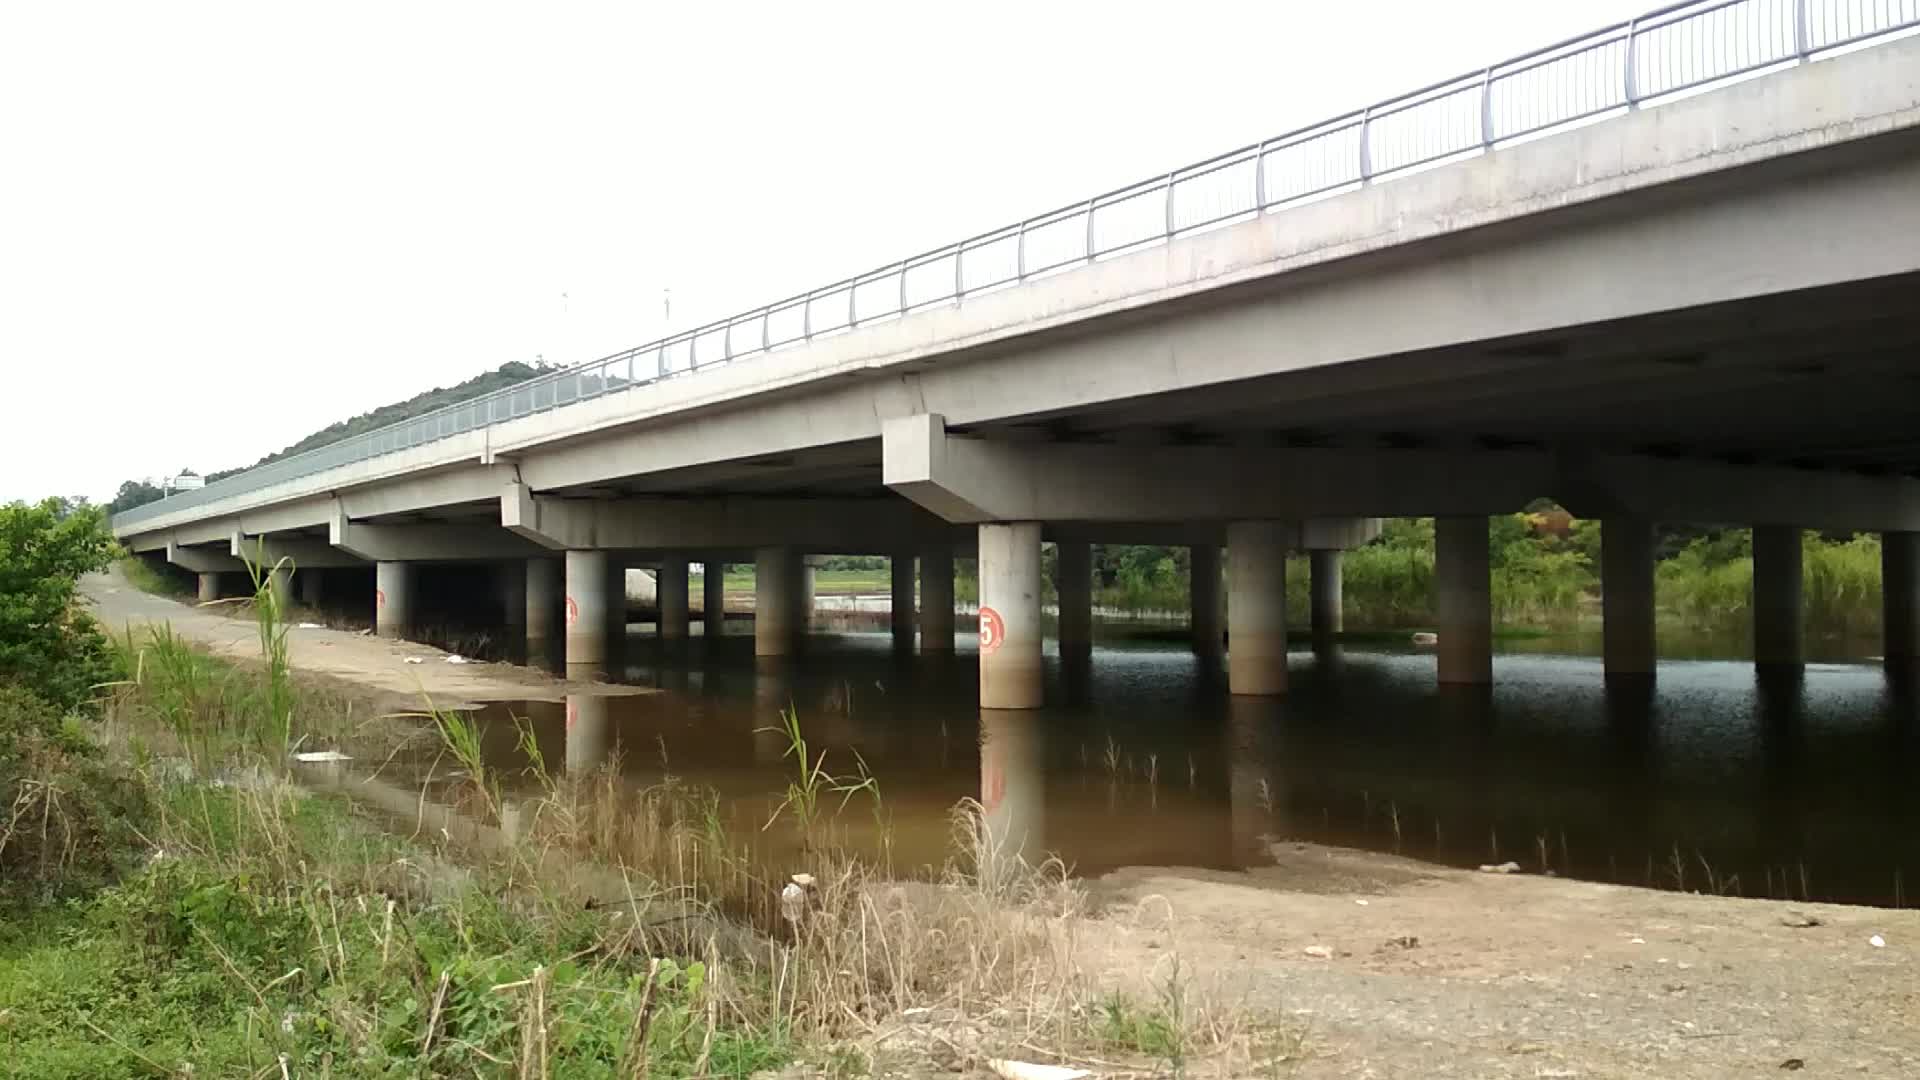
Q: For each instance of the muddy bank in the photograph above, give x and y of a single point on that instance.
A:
(1388, 967)
(373, 663)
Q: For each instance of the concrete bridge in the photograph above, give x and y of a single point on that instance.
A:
(1664, 272)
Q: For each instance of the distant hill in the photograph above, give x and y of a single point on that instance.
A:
(418, 405)
(138, 492)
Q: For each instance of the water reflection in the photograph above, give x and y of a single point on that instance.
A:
(1708, 778)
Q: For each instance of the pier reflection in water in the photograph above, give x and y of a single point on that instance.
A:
(1709, 779)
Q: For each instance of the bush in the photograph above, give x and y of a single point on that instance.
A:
(47, 640)
(67, 823)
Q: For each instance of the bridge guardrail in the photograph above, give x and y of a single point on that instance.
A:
(1661, 53)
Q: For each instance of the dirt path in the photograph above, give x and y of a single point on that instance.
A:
(1441, 972)
(379, 664)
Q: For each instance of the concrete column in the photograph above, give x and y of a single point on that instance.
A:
(713, 609)
(392, 599)
(209, 587)
(1204, 593)
(936, 599)
(588, 577)
(1463, 580)
(807, 583)
(670, 587)
(1324, 593)
(779, 583)
(1073, 569)
(1899, 596)
(309, 586)
(1010, 615)
(1257, 607)
(513, 599)
(900, 578)
(1626, 595)
(280, 580)
(616, 610)
(1776, 595)
(545, 617)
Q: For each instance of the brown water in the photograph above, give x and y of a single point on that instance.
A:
(1712, 779)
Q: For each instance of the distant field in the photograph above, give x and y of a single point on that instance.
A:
(825, 582)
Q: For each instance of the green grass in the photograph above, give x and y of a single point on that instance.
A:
(143, 576)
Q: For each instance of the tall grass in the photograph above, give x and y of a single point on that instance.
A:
(1840, 585)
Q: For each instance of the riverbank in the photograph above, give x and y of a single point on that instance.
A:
(1328, 963)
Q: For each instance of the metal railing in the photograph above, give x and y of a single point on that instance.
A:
(1661, 53)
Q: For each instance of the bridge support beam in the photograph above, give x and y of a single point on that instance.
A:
(1626, 596)
(713, 599)
(393, 599)
(1073, 571)
(670, 589)
(1325, 598)
(209, 586)
(936, 599)
(310, 589)
(545, 617)
(1463, 580)
(1257, 607)
(1204, 594)
(779, 599)
(1776, 596)
(617, 611)
(900, 613)
(1900, 597)
(589, 586)
(280, 581)
(1010, 631)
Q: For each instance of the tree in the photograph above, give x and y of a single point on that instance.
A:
(133, 493)
(48, 642)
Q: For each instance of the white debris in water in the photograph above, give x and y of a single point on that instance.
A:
(1500, 868)
(413, 660)
(1877, 941)
(456, 658)
(313, 756)
(1027, 1070)
(1318, 952)
(309, 626)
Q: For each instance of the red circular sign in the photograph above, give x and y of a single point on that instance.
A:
(573, 611)
(993, 631)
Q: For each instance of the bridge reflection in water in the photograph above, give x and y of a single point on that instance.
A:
(1713, 778)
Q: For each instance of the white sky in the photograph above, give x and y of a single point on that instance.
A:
(223, 226)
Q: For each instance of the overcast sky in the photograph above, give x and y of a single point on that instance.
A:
(223, 226)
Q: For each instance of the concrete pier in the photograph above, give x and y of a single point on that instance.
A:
(670, 589)
(1776, 596)
(280, 580)
(209, 587)
(393, 599)
(309, 580)
(901, 614)
(1463, 582)
(1010, 631)
(1073, 570)
(936, 599)
(779, 583)
(1257, 607)
(1626, 596)
(1324, 596)
(1205, 613)
(545, 616)
(713, 598)
(1900, 597)
(588, 583)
